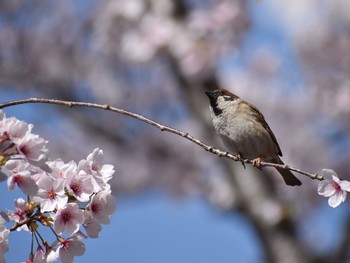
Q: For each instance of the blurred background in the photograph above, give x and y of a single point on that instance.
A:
(176, 202)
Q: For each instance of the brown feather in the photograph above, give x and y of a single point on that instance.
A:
(267, 127)
(226, 92)
(260, 118)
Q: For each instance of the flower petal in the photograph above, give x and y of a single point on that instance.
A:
(336, 179)
(325, 188)
(345, 185)
(337, 198)
(328, 173)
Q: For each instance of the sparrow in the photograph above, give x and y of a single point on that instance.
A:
(244, 131)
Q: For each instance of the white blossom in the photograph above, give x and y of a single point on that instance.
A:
(333, 187)
(102, 206)
(70, 248)
(68, 219)
(51, 194)
(20, 175)
(4, 233)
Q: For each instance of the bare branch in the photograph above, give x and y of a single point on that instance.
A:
(162, 128)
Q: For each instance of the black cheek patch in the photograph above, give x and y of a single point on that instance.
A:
(213, 103)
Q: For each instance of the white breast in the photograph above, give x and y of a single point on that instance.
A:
(241, 134)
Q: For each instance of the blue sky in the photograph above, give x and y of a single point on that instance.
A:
(149, 228)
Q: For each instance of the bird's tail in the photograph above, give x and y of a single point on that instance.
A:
(287, 175)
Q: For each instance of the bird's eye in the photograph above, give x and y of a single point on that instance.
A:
(227, 98)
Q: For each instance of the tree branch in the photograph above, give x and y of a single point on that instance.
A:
(162, 128)
(25, 221)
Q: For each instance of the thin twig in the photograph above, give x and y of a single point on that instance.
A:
(25, 221)
(160, 127)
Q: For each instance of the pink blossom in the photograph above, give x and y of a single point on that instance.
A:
(333, 187)
(32, 147)
(96, 159)
(70, 248)
(38, 257)
(102, 206)
(51, 194)
(3, 217)
(101, 173)
(68, 219)
(4, 233)
(51, 255)
(19, 214)
(15, 129)
(92, 227)
(20, 175)
(80, 186)
(59, 169)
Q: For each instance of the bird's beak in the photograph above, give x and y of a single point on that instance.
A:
(210, 94)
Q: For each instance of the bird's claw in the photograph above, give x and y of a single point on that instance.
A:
(241, 160)
(257, 163)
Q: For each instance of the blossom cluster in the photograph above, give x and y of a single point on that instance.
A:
(73, 199)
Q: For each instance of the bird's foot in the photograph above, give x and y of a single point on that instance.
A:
(241, 160)
(257, 163)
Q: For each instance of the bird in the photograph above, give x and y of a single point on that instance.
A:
(244, 130)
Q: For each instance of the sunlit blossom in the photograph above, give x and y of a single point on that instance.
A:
(102, 206)
(32, 147)
(20, 176)
(80, 186)
(68, 219)
(60, 170)
(333, 187)
(92, 227)
(55, 187)
(15, 129)
(51, 194)
(4, 233)
(94, 165)
(70, 248)
(19, 214)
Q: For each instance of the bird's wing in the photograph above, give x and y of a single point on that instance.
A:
(259, 116)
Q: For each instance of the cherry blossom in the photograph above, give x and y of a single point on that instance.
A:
(19, 213)
(80, 186)
(68, 219)
(20, 175)
(97, 164)
(102, 206)
(32, 147)
(4, 233)
(59, 169)
(51, 194)
(69, 248)
(333, 187)
(38, 257)
(15, 129)
(54, 192)
(92, 227)
(101, 173)
(19, 140)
